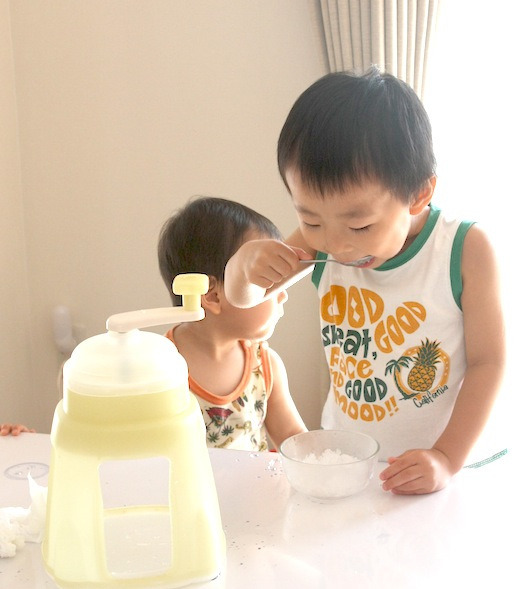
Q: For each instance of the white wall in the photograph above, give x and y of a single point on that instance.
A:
(476, 107)
(126, 109)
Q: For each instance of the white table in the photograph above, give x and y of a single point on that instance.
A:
(470, 533)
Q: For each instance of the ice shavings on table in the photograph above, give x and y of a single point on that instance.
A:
(19, 525)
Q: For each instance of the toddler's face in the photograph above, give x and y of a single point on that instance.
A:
(362, 223)
(256, 323)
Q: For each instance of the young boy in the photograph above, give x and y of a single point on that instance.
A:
(240, 383)
(413, 332)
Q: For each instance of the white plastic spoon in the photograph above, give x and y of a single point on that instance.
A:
(359, 262)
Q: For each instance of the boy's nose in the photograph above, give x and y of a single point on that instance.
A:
(336, 243)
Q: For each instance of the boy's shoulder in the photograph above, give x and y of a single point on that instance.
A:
(447, 216)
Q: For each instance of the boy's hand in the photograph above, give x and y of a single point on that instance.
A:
(265, 262)
(262, 263)
(417, 472)
(13, 429)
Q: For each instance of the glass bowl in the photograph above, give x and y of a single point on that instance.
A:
(328, 465)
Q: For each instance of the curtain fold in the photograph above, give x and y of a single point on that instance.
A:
(394, 35)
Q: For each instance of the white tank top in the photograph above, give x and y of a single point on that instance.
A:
(394, 340)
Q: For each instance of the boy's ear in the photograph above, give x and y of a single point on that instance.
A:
(424, 196)
(211, 301)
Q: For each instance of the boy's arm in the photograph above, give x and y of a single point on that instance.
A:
(263, 265)
(282, 418)
(485, 349)
(424, 471)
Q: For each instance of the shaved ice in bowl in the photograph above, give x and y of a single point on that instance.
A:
(327, 465)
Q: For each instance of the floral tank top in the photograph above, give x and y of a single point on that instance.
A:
(236, 420)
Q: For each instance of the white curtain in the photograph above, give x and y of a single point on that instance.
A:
(394, 35)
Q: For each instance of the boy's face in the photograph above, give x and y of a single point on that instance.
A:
(362, 223)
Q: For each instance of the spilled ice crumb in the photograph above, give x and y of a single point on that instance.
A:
(330, 457)
(19, 525)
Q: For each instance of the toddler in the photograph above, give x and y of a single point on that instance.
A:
(240, 382)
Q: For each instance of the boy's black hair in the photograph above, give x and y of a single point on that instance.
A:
(348, 129)
(204, 235)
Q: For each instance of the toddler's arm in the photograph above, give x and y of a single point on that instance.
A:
(282, 418)
(424, 471)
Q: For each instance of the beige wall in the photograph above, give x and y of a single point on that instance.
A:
(15, 332)
(115, 112)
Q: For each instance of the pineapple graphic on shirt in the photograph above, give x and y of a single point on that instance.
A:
(422, 375)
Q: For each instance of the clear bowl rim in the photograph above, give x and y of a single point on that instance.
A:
(307, 464)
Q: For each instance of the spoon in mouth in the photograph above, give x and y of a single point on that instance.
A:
(359, 262)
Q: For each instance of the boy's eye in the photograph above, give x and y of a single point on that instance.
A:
(311, 225)
(360, 229)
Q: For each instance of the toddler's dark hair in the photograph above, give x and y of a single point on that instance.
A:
(204, 235)
(348, 129)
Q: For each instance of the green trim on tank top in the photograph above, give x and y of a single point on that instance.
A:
(456, 281)
(416, 245)
(318, 269)
(397, 261)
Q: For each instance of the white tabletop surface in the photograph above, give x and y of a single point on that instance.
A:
(471, 532)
